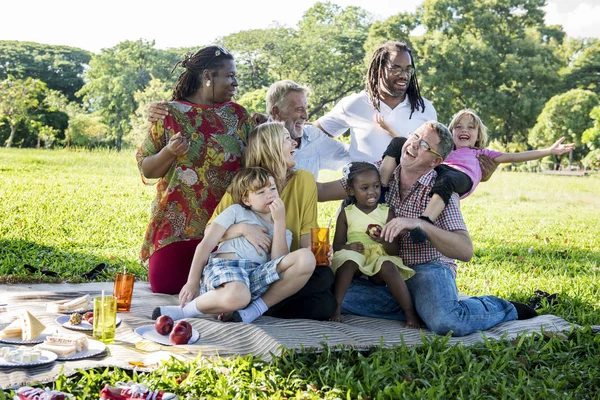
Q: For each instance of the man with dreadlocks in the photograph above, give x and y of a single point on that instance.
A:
(392, 90)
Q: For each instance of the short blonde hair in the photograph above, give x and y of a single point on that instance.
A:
(248, 180)
(482, 136)
(265, 150)
(278, 90)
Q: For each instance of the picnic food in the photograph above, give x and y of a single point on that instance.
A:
(80, 303)
(89, 317)
(75, 319)
(182, 333)
(31, 326)
(19, 354)
(372, 229)
(64, 344)
(164, 325)
(132, 390)
(14, 329)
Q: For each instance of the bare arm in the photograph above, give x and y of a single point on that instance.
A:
(557, 149)
(453, 244)
(279, 247)
(157, 165)
(256, 235)
(329, 191)
(212, 236)
(393, 247)
(488, 167)
(341, 232)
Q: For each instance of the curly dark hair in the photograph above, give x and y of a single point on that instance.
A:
(376, 70)
(190, 80)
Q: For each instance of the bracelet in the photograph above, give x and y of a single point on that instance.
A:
(424, 218)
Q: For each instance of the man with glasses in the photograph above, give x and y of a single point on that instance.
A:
(392, 90)
(433, 288)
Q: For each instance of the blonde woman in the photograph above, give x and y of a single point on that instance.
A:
(271, 147)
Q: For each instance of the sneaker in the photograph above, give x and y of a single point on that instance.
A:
(29, 393)
(132, 390)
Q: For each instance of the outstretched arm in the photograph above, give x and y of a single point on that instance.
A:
(557, 149)
(384, 125)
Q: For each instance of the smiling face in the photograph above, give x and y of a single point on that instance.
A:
(292, 112)
(223, 82)
(289, 148)
(366, 188)
(396, 80)
(260, 200)
(465, 132)
(415, 156)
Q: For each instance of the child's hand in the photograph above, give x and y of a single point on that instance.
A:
(178, 145)
(356, 246)
(557, 148)
(380, 121)
(189, 292)
(374, 232)
(277, 210)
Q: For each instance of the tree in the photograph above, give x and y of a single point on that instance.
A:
(591, 136)
(584, 70)
(18, 101)
(397, 27)
(114, 77)
(156, 90)
(60, 67)
(495, 56)
(568, 115)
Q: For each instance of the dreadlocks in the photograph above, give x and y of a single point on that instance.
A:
(376, 71)
(190, 80)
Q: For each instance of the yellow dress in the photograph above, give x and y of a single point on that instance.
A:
(374, 254)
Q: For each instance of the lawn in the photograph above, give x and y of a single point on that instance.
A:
(67, 212)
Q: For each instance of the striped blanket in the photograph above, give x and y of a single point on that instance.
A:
(264, 338)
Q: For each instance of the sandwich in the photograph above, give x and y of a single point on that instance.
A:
(79, 341)
(80, 303)
(60, 350)
(12, 330)
(31, 326)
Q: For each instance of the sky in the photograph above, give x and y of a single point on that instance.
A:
(97, 25)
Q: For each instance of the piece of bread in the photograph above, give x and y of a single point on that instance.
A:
(59, 350)
(32, 327)
(80, 303)
(12, 330)
(63, 339)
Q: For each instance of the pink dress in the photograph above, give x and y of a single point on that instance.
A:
(465, 160)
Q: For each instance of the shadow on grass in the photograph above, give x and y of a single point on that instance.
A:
(70, 266)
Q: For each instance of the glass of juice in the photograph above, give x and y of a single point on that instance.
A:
(123, 291)
(319, 244)
(105, 318)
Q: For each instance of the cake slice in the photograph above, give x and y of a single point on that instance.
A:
(32, 327)
(12, 330)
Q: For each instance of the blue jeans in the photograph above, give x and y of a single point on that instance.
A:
(434, 293)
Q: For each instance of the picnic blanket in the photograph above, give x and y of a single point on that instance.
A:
(265, 337)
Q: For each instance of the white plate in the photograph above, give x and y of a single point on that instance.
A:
(149, 332)
(18, 340)
(94, 348)
(46, 357)
(81, 311)
(83, 326)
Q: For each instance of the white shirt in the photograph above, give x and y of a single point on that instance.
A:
(368, 140)
(318, 151)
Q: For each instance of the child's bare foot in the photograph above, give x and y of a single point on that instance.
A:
(337, 317)
(413, 321)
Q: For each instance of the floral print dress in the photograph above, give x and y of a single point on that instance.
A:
(193, 186)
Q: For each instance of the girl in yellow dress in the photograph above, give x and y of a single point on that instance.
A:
(357, 247)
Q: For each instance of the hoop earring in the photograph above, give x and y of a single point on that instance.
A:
(207, 83)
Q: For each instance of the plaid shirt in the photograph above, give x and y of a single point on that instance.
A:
(412, 207)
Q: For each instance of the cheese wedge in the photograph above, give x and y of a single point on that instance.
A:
(80, 303)
(12, 330)
(59, 350)
(32, 327)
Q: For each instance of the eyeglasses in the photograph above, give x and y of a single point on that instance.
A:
(397, 71)
(219, 51)
(423, 144)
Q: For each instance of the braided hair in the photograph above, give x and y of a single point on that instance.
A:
(354, 169)
(376, 72)
(190, 80)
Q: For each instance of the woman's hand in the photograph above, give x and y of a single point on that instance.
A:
(157, 111)
(257, 236)
(277, 210)
(488, 167)
(355, 246)
(188, 293)
(178, 145)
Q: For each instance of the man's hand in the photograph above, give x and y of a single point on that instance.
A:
(355, 246)
(277, 210)
(259, 118)
(257, 236)
(178, 145)
(399, 225)
(488, 167)
(157, 111)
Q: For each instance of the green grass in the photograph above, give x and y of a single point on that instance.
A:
(68, 211)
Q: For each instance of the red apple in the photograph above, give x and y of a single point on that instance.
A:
(88, 315)
(373, 230)
(163, 325)
(181, 334)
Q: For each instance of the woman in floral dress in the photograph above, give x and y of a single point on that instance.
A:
(194, 153)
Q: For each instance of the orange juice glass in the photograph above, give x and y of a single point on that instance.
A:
(123, 291)
(319, 244)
